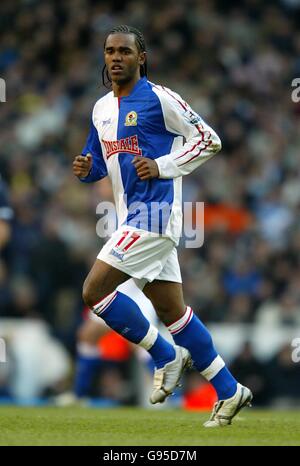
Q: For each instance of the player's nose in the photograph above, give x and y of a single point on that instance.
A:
(116, 57)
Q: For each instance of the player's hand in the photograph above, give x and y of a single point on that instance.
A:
(82, 165)
(146, 168)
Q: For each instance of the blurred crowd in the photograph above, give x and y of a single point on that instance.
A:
(234, 63)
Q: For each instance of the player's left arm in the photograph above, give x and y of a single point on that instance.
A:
(201, 141)
(146, 168)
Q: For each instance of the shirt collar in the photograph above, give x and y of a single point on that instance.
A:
(138, 85)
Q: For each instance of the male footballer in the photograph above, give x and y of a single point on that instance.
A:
(145, 138)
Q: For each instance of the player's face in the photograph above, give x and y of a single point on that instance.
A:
(122, 58)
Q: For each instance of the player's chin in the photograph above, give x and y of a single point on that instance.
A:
(119, 77)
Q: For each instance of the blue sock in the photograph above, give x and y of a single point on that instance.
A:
(190, 333)
(123, 315)
(85, 371)
(224, 383)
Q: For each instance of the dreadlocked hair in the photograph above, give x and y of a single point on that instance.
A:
(140, 43)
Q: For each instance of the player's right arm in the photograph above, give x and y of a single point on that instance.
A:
(90, 165)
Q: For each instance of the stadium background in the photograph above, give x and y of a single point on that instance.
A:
(234, 62)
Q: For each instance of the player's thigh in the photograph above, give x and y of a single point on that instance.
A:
(167, 299)
(102, 280)
(90, 331)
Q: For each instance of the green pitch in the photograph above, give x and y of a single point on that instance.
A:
(131, 426)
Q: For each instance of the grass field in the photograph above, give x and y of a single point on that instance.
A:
(130, 426)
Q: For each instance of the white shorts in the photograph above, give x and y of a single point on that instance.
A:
(142, 255)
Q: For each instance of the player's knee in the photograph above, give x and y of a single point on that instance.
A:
(169, 314)
(90, 296)
(161, 310)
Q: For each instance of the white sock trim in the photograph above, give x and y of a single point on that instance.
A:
(212, 370)
(104, 303)
(150, 338)
(180, 324)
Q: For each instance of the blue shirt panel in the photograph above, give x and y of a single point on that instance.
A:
(149, 202)
(93, 147)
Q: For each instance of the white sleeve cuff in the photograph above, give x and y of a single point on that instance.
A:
(167, 168)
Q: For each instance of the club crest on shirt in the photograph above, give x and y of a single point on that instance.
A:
(131, 119)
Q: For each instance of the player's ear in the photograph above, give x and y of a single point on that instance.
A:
(142, 58)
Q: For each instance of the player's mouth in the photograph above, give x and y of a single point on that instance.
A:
(116, 69)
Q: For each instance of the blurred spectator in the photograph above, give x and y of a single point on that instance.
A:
(248, 369)
(6, 216)
(284, 378)
(284, 311)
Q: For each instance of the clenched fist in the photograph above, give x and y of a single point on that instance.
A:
(146, 168)
(82, 165)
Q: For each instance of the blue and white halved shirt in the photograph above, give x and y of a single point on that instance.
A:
(153, 122)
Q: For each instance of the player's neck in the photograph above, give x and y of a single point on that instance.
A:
(124, 89)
